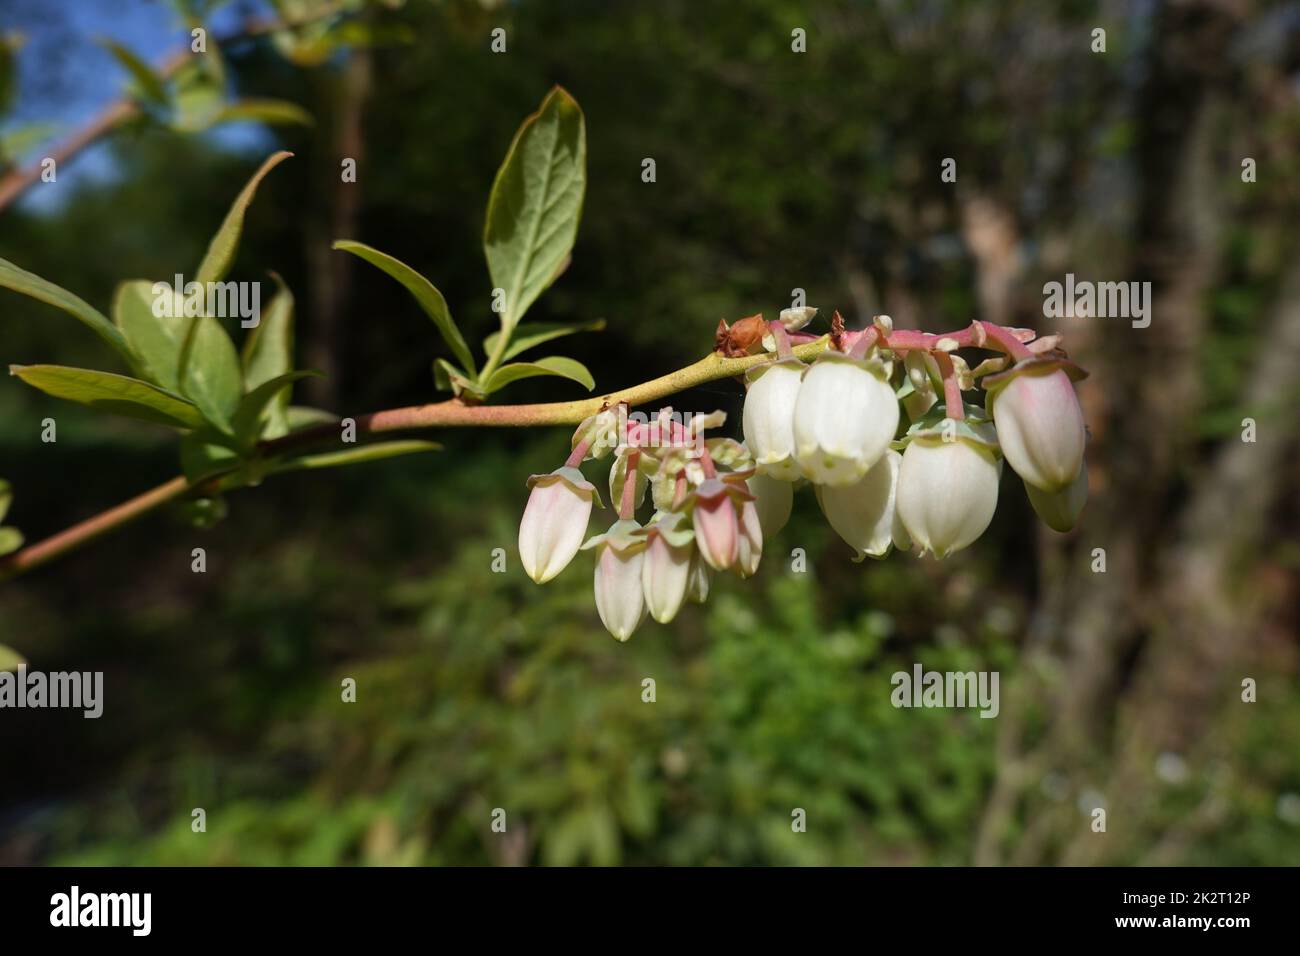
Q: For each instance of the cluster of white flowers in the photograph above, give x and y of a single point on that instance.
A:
(872, 427)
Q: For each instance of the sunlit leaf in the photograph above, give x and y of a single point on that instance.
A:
(10, 659)
(221, 250)
(155, 340)
(354, 456)
(271, 112)
(147, 82)
(535, 333)
(536, 202)
(253, 414)
(210, 373)
(268, 354)
(20, 280)
(430, 299)
(116, 394)
(552, 365)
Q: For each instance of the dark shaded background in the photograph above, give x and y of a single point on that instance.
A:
(775, 171)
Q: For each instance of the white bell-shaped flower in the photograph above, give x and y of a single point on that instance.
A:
(844, 419)
(666, 570)
(620, 596)
(750, 545)
(947, 492)
(1040, 424)
(768, 419)
(554, 522)
(864, 514)
(774, 499)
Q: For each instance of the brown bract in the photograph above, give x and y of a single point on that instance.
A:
(743, 338)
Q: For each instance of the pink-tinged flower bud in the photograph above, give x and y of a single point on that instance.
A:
(774, 500)
(620, 560)
(697, 589)
(717, 529)
(554, 522)
(947, 492)
(768, 419)
(666, 570)
(1040, 424)
(1060, 510)
(844, 419)
(750, 546)
(864, 514)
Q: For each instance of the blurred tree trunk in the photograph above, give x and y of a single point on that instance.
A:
(1125, 664)
(330, 272)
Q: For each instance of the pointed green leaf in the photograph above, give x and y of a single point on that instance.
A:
(10, 659)
(552, 365)
(271, 112)
(354, 456)
(203, 455)
(538, 332)
(155, 340)
(210, 372)
(430, 299)
(11, 539)
(252, 418)
(536, 202)
(303, 416)
(19, 280)
(107, 392)
(447, 377)
(149, 83)
(268, 354)
(221, 250)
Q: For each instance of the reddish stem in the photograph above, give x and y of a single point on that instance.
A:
(1005, 341)
(951, 387)
(627, 506)
(578, 454)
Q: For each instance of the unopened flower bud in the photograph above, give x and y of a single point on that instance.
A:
(1040, 424)
(666, 570)
(697, 588)
(774, 500)
(717, 529)
(620, 558)
(1060, 510)
(554, 522)
(768, 419)
(844, 418)
(864, 514)
(750, 544)
(947, 492)
(796, 319)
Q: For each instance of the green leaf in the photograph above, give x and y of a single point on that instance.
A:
(271, 112)
(6, 498)
(10, 659)
(10, 44)
(221, 250)
(203, 454)
(11, 539)
(536, 202)
(116, 394)
(353, 456)
(19, 280)
(552, 365)
(448, 377)
(538, 332)
(303, 416)
(155, 341)
(210, 372)
(268, 354)
(149, 83)
(253, 415)
(430, 299)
